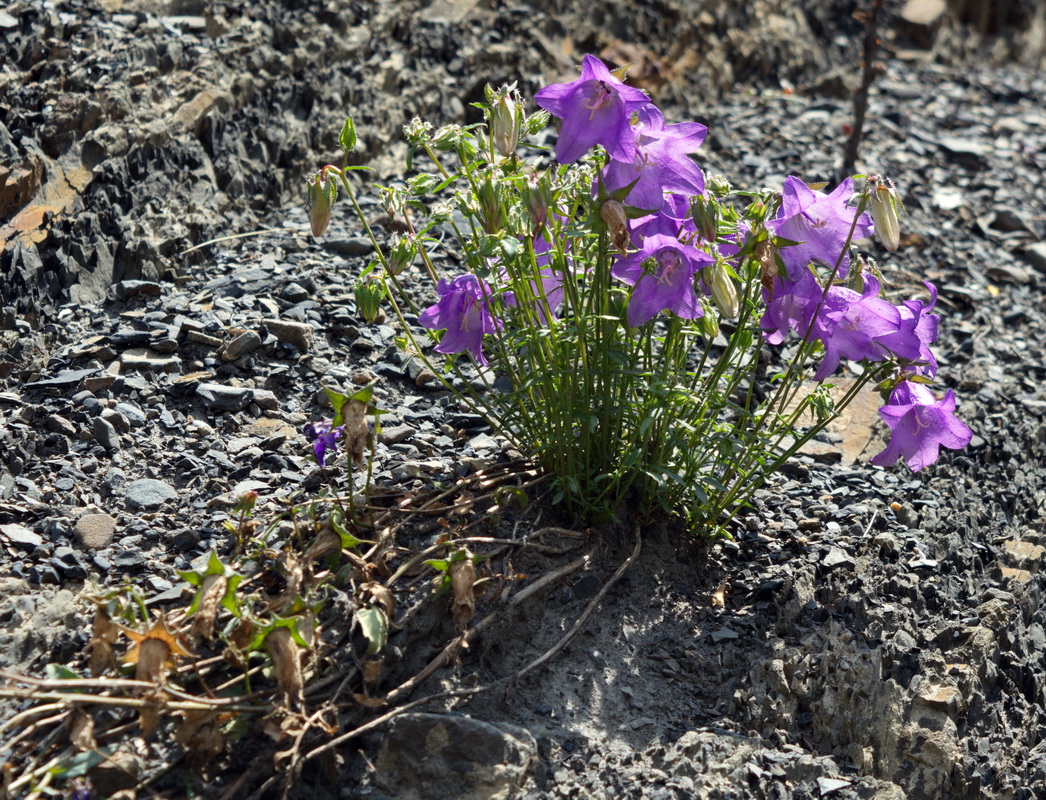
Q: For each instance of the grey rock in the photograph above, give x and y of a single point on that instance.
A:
(68, 563)
(105, 434)
(396, 434)
(20, 536)
(63, 380)
(224, 398)
(143, 359)
(149, 494)
(354, 246)
(1035, 255)
(436, 755)
(246, 342)
(132, 413)
(299, 334)
(128, 557)
(57, 424)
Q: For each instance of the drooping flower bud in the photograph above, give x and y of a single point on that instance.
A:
(369, 295)
(322, 194)
(724, 293)
(708, 322)
(489, 197)
(401, 253)
(612, 212)
(705, 212)
(506, 116)
(537, 194)
(885, 205)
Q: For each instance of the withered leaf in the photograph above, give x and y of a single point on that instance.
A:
(200, 736)
(212, 590)
(372, 672)
(368, 702)
(81, 730)
(766, 255)
(286, 659)
(103, 637)
(373, 592)
(356, 431)
(462, 580)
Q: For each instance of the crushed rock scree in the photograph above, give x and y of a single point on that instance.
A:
(865, 634)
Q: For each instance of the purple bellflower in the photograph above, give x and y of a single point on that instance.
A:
(662, 273)
(595, 109)
(863, 326)
(926, 329)
(464, 311)
(661, 162)
(819, 222)
(672, 220)
(324, 439)
(794, 305)
(921, 425)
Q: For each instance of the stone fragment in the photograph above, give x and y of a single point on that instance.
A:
(436, 755)
(266, 400)
(58, 424)
(65, 379)
(923, 12)
(354, 246)
(20, 536)
(299, 334)
(105, 434)
(1035, 255)
(144, 359)
(224, 398)
(246, 342)
(199, 337)
(149, 494)
(94, 531)
(396, 434)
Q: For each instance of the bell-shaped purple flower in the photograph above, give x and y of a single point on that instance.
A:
(464, 311)
(819, 222)
(662, 273)
(551, 282)
(863, 327)
(595, 109)
(926, 330)
(661, 163)
(921, 425)
(672, 220)
(795, 302)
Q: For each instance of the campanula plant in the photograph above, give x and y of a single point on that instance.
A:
(608, 308)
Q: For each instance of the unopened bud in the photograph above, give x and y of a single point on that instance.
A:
(719, 186)
(612, 212)
(401, 254)
(489, 205)
(724, 293)
(347, 139)
(369, 295)
(505, 119)
(885, 205)
(705, 212)
(537, 193)
(322, 194)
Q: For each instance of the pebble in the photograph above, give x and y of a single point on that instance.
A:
(94, 531)
(246, 342)
(224, 398)
(20, 536)
(149, 494)
(299, 334)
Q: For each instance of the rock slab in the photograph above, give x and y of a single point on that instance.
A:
(437, 755)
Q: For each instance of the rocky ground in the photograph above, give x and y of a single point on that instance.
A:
(867, 632)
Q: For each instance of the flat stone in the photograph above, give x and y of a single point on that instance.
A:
(20, 536)
(1035, 255)
(1024, 555)
(299, 334)
(396, 434)
(436, 755)
(266, 400)
(65, 379)
(224, 398)
(94, 531)
(149, 494)
(144, 359)
(247, 342)
(57, 424)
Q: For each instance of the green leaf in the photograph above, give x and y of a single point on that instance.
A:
(58, 672)
(375, 627)
(79, 765)
(337, 400)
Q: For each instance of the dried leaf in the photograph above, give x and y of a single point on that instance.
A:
(211, 593)
(286, 659)
(372, 672)
(81, 730)
(200, 736)
(103, 637)
(719, 596)
(766, 255)
(368, 702)
(462, 580)
(375, 593)
(149, 715)
(356, 432)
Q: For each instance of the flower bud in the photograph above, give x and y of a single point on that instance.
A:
(537, 194)
(369, 295)
(705, 212)
(884, 204)
(489, 205)
(724, 293)
(505, 119)
(719, 186)
(612, 212)
(347, 139)
(401, 253)
(322, 194)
